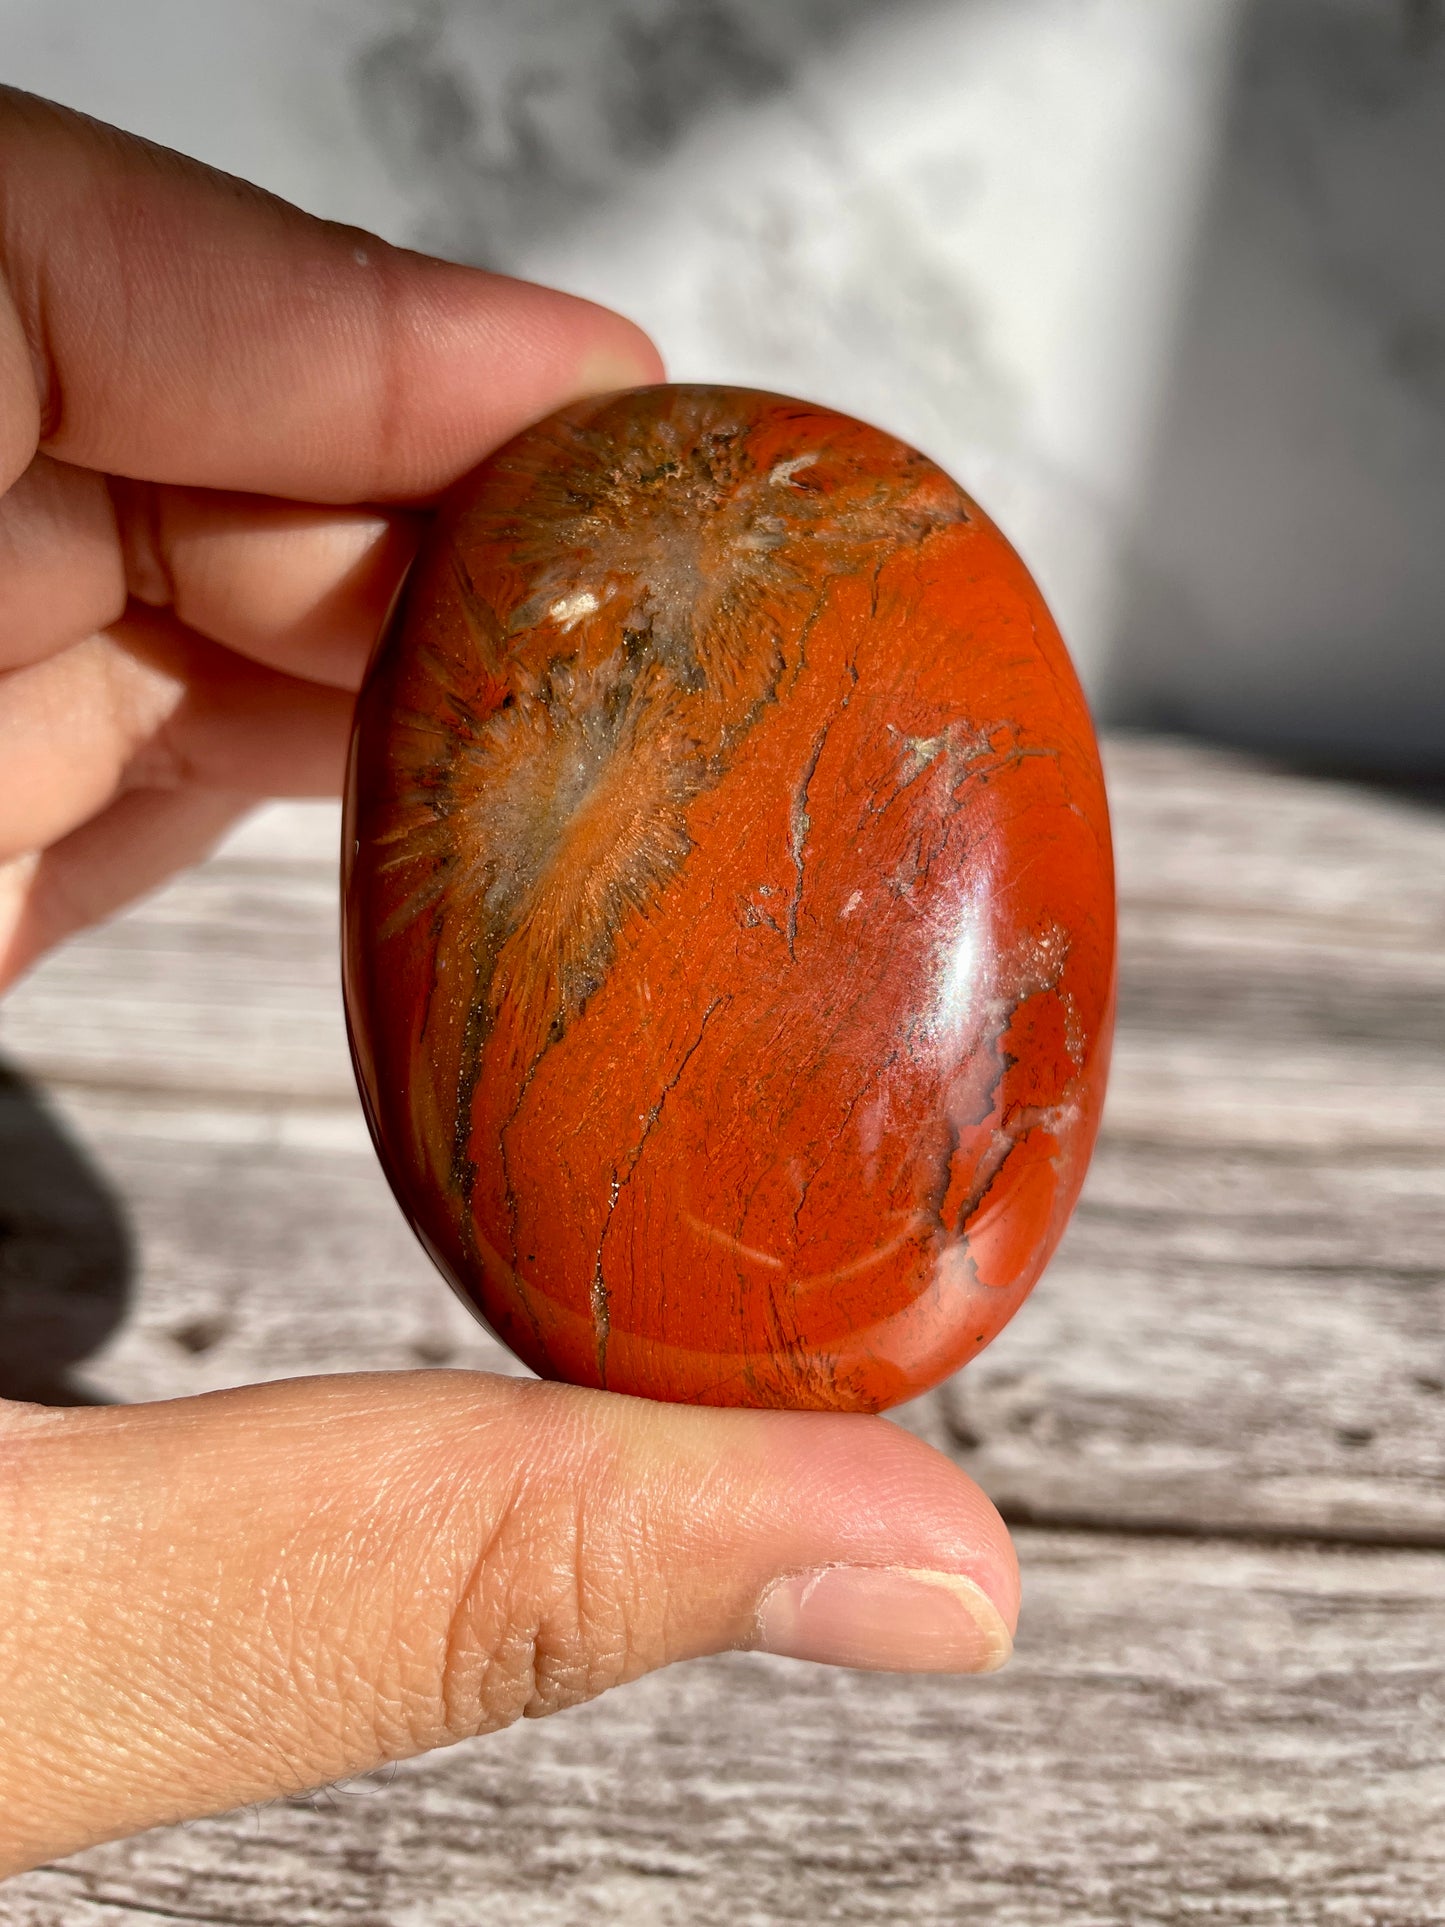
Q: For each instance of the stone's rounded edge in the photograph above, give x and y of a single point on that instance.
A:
(498, 1068)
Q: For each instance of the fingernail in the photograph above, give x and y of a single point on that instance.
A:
(602, 370)
(884, 1619)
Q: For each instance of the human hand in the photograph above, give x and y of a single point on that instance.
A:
(220, 421)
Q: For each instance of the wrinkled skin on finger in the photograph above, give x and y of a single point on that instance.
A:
(221, 1599)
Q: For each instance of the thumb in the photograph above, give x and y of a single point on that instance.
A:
(214, 1601)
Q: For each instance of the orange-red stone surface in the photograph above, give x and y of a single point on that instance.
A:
(729, 923)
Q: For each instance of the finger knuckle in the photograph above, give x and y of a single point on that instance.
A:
(552, 1614)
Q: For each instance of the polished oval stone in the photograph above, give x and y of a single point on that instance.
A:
(729, 922)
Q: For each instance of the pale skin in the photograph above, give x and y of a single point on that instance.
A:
(221, 425)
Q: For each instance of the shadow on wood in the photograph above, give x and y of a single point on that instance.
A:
(65, 1252)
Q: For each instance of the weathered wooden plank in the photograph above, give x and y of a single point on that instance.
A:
(1225, 1344)
(1220, 1734)
(1195, 825)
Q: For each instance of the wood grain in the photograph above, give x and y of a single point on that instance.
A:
(1239, 1352)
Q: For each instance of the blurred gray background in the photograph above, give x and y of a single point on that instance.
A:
(1161, 281)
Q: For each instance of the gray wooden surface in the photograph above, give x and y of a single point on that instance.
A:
(1219, 1424)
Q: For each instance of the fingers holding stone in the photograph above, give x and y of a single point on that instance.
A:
(149, 704)
(62, 573)
(131, 848)
(72, 728)
(299, 587)
(127, 756)
(302, 588)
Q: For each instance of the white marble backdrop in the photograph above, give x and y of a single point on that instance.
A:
(1162, 281)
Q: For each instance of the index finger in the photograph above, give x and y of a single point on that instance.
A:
(166, 322)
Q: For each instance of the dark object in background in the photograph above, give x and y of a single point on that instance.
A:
(65, 1252)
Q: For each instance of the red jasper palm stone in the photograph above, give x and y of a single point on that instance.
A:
(729, 926)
